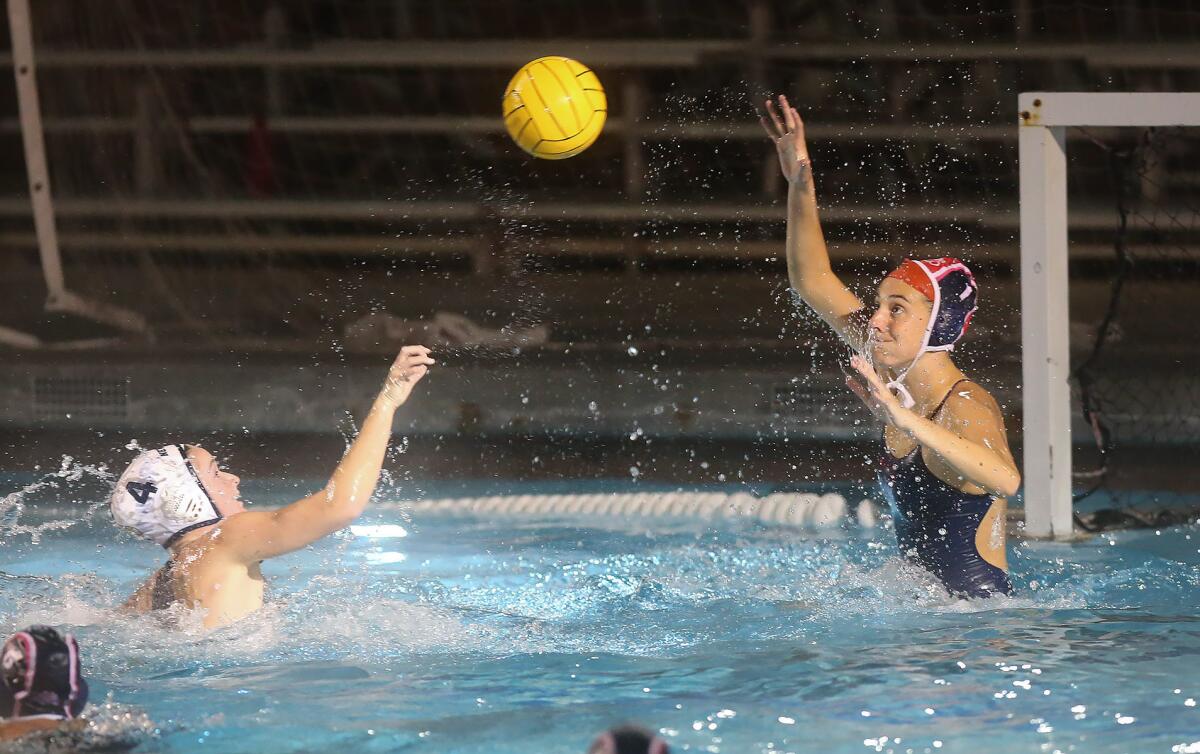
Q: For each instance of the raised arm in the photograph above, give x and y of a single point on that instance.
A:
(809, 270)
(257, 535)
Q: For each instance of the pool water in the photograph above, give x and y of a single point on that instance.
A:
(459, 634)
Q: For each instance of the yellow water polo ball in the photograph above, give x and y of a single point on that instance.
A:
(554, 107)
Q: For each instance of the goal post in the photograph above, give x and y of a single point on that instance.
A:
(59, 299)
(1043, 118)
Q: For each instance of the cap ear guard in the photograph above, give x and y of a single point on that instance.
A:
(78, 697)
(604, 744)
(19, 665)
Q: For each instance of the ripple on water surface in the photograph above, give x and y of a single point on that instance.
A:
(468, 635)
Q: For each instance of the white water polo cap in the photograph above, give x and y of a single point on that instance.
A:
(160, 497)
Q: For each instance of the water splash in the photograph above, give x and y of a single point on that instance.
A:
(105, 727)
(56, 489)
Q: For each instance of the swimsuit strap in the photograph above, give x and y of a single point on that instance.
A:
(162, 594)
(945, 398)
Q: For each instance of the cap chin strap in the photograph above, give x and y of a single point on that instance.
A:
(901, 392)
(897, 385)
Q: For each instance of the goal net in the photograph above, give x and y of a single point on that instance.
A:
(1134, 307)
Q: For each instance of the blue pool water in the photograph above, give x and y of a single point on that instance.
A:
(478, 635)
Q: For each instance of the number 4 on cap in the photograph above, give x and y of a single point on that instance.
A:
(141, 491)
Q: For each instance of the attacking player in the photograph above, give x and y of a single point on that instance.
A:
(179, 498)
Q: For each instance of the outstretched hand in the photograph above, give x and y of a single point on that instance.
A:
(407, 370)
(782, 123)
(875, 394)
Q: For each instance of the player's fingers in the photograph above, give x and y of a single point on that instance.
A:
(779, 129)
(857, 389)
(799, 124)
(766, 124)
(412, 357)
(798, 120)
(866, 370)
(789, 114)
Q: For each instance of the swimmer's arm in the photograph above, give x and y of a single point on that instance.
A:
(809, 269)
(14, 729)
(257, 535)
(973, 443)
(140, 601)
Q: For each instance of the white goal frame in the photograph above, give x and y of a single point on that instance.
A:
(1043, 118)
(59, 298)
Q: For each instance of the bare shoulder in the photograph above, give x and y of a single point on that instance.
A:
(855, 327)
(240, 525)
(973, 413)
(969, 401)
(240, 533)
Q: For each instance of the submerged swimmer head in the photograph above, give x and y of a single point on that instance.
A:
(924, 305)
(628, 739)
(169, 492)
(41, 675)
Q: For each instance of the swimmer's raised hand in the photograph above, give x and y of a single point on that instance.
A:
(407, 370)
(782, 123)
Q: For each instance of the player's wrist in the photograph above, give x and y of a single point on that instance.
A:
(801, 176)
(386, 402)
(903, 419)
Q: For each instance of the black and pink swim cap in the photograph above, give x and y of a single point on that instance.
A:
(40, 675)
(628, 739)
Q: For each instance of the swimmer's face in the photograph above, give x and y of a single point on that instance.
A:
(898, 324)
(222, 486)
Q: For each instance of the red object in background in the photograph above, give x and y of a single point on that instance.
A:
(260, 163)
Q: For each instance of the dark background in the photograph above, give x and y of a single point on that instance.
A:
(254, 178)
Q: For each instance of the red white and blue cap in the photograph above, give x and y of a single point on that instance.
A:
(950, 286)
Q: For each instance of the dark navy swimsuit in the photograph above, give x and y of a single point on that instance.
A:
(936, 524)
